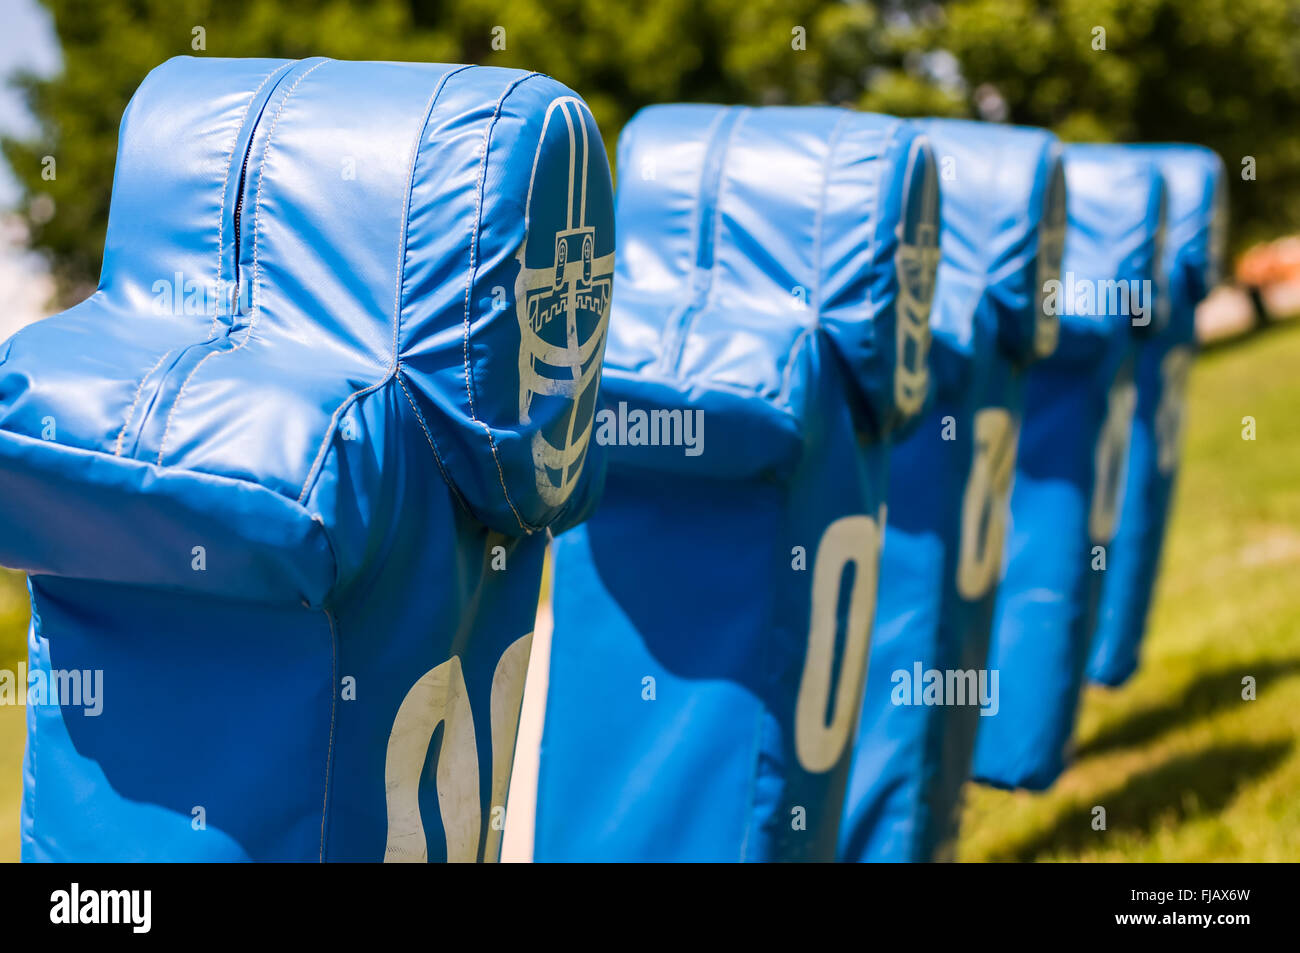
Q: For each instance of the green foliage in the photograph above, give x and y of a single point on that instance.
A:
(1221, 72)
(1225, 73)
(13, 616)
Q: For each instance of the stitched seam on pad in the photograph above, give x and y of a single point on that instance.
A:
(221, 227)
(437, 457)
(334, 419)
(716, 214)
(879, 212)
(469, 290)
(257, 210)
(329, 756)
(891, 346)
(668, 354)
(819, 224)
(406, 209)
(318, 461)
(179, 394)
(34, 737)
(700, 298)
(225, 180)
(257, 205)
(130, 412)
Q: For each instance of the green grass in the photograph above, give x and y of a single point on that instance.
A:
(13, 718)
(1185, 768)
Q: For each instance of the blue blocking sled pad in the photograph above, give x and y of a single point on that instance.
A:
(1196, 221)
(1003, 228)
(712, 617)
(1071, 464)
(300, 530)
(861, 406)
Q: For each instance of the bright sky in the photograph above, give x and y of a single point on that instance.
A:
(27, 42)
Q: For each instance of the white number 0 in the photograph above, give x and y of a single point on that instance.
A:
(855, 539)
(440, 697)
(1110, 461)
(985, 504)
(1169, 414)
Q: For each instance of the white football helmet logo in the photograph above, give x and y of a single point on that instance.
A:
(1051, 251)
(1218, 238)
(1110, 458)
(916, 262)
(563, 311)
(1159, 273)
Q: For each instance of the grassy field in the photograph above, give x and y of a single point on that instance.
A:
(13, 718)
(1185, 768)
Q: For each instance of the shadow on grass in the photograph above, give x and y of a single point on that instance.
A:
(1208, 693)
(1181, 788)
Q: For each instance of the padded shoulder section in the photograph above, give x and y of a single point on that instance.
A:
(1196, 217)
(1003, 233)
(1110, 283)
(86, 515)
(503, 334)
(179, 159)
(661, 155)
(883, 181)
(330, 175)
(443, 232)
(748, 231)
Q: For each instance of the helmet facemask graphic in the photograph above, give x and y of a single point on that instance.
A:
(1218, 237)
(1051, 252)
(1159, 273)
(562, 297)
(916, 263)
(1110, 457)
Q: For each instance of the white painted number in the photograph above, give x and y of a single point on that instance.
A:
(985, 504)
(1111, 460)
(855, 539)
(1170, 412)
(1051, 249)
(440, 698)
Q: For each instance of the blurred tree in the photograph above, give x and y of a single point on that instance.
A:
(1222, 72)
